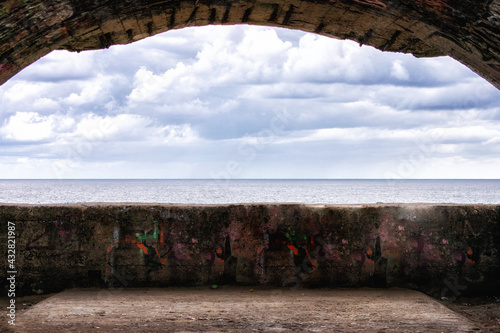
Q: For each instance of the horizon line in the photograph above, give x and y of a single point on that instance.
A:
(236, 179)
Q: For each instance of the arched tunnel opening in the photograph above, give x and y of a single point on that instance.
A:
(422, 28)
(464, 30)
(444, 250)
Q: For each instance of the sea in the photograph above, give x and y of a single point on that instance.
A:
(211, 191)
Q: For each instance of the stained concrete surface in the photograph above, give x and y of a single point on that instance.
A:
(439, 249)
(241, 309)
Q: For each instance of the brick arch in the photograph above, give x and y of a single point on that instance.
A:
(467, 30)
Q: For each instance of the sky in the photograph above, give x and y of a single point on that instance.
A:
(247, 102)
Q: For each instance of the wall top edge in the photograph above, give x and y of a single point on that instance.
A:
(270, 204)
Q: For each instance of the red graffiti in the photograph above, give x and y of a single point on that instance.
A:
(162, 262)
(57, 226)
(439, 4)
(313, 263)
(5, 66)
(294, 249)
(66, 232)
(139, 244)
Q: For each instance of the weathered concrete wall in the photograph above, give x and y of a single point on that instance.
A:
(439, 249)
(467, 30)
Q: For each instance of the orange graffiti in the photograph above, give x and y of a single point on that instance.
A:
(162, 262)
(369, 252)
(219, 251)
(371, 263)
(139, 245)
(142, 247)
(294, 249)
(312, 262)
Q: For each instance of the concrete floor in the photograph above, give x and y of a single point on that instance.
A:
(240, 309)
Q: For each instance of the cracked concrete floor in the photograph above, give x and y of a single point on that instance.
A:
(240, 309)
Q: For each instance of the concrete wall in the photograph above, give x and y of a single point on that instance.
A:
(444, 250)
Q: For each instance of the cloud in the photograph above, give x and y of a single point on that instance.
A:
(28, 126)
(399, 71)
(266, 102)
(60, 66)
(462, 95)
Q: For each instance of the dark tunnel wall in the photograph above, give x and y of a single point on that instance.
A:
(467, 30)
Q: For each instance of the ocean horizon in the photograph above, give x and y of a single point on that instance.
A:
(228, 191)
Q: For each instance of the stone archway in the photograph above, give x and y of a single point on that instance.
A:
(467, 30)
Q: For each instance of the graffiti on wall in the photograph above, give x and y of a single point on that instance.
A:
(60, 235)
(285, 247)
